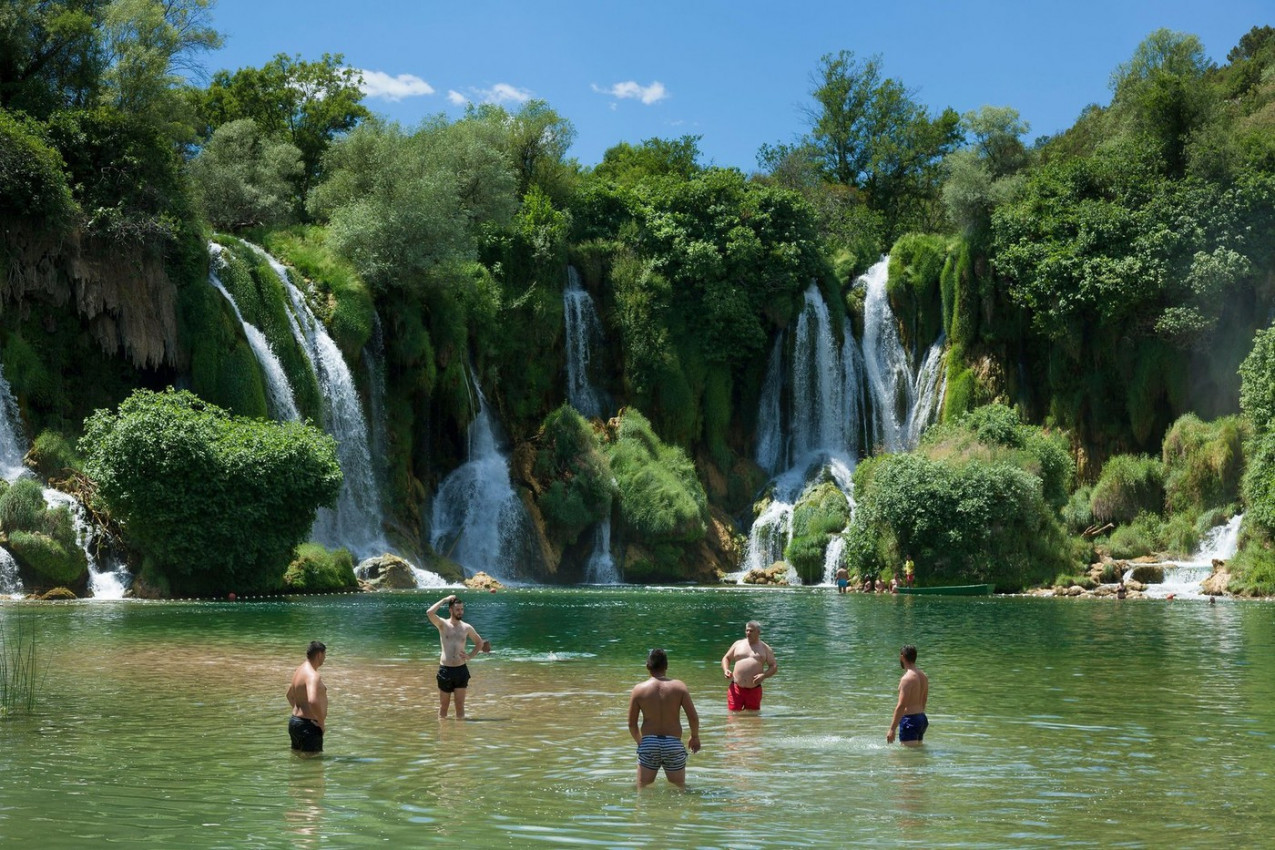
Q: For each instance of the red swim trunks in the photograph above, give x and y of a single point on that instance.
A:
(740, 699)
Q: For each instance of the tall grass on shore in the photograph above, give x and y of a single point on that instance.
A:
(19, 666)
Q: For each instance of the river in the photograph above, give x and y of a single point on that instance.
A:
(1085, 723)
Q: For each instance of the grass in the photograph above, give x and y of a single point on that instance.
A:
(19, 666)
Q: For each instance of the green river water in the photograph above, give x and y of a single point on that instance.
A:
(1053, 723)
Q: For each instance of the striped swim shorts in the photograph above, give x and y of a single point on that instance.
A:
(664, 751)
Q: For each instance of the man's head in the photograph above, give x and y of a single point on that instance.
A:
(908, 654)
(456, 608)
(752, 630)
(657, 662)
(315, 649)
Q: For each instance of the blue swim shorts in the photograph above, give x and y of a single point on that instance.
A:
(664, 751)
(912, 727)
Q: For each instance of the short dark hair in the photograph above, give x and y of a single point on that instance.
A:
(656, 659)
(909, 652)
(315, 647)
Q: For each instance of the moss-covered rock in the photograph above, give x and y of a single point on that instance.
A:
(316, 569)
(821, 512)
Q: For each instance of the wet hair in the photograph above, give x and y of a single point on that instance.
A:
(315, 647)
(752, 624)
(656, 660)
(909, 652)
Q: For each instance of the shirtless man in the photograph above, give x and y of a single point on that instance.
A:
(308, 697)
(754, 663)
(843, 579)
(909, 714)
(453, 673)
(659, 700)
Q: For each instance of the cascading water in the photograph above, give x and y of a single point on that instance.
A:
(826, 388)
(601, 567)
(279, 394)
(1183, 579)
(374, 367)
(106, 581)
(584, 337)
(478, 520)
(10, 582)
(13, 442)
(356, 521)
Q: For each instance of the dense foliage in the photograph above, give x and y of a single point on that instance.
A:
(213, 502)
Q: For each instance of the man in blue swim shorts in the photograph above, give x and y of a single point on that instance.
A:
(659, 701)
(909, 713)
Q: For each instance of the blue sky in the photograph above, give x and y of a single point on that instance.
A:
(738, 74)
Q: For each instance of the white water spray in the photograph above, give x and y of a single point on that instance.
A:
(584, 337)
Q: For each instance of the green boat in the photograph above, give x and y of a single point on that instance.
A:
(950, 590)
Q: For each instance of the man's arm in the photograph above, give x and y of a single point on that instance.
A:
(692, 720)
(317, 699)
(480, 645)
(432, 611)
(898, 713)
(633, 717)
(726, 660)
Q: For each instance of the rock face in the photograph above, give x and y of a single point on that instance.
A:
(1148, 574)
(481, 581)
(774, 574)
(385, 572)
(1216, 584)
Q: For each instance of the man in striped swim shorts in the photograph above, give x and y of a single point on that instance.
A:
(659, 702)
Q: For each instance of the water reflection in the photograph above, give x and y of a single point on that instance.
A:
(304, 817)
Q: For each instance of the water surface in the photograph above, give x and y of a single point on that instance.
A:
(1078, 723)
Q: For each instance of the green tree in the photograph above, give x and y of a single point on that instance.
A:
(871, 135)
(308, 104)
(213, 502)
(50, 54)
(536, 139)
(628, 164)
(244, 180)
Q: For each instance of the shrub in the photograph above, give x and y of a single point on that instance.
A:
(1129, 485)
(22, 506)
(574, 473)
(821, 512)
(1204, 463)
(53, 455)
(217, 502)
(316, 569)
(32, 182)
(1077, 514)
(1135, 539)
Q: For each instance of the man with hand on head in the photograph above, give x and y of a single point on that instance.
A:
(453, 672)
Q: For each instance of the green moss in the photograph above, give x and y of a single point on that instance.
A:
(573, 473)
(1204, 463)
(916, 266)
(51, 558)
(820, 513)
(53, 455)
(22, 507)
(1128, 486)
(661, 499)
(316, 569)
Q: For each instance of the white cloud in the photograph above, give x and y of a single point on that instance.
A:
(456, 98)
(499, 93)
(631, 90)
(382, 85)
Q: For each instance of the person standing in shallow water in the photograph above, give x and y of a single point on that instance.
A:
(453, 672)
(308, 697)
(659, 701)
(909, 713)
(754, 663)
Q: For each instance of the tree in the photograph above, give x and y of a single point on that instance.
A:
(307, 104)
(537, 139)
(870, 134)
(243, 180)
(212, 502)
(982, 176)
(50, 56)
(627, 164)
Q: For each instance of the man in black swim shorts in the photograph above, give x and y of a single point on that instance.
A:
(453, 673)
(308, 697)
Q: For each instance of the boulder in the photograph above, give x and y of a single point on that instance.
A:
(385, 572)
(1216, 584)
(774, 574)
(57, 593)
(481, 581)
(1148, 574)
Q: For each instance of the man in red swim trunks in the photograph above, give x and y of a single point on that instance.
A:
(754, 662)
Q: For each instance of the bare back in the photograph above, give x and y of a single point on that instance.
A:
(307, 694)
(914, 690)
(660, 702)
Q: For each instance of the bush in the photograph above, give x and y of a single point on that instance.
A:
(1077, 514)
(1129, 485)
(53, 455)
(316, 569)
(1204, 463)
(22, 507)
(32, 182)
(217, 502)
(1135, 539)
(50, 558)
(574, 473)
(821, 512)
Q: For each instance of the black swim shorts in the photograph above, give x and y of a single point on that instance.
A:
(305, 734)
(451, 678)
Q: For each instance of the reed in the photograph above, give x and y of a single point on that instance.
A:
(19, 666)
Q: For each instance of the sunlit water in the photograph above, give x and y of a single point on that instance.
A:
(1053, 723)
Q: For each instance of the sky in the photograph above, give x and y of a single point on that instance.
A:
(737, 74)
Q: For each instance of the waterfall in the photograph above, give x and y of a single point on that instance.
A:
(374, 368)
(584, 337)
(829, 384)
(1183, 579)
(13, 442)
(601, 567)
(356, 521)
(106, 581)
(283, 404)
(10, 583)
(832, 558)
(478, 520)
